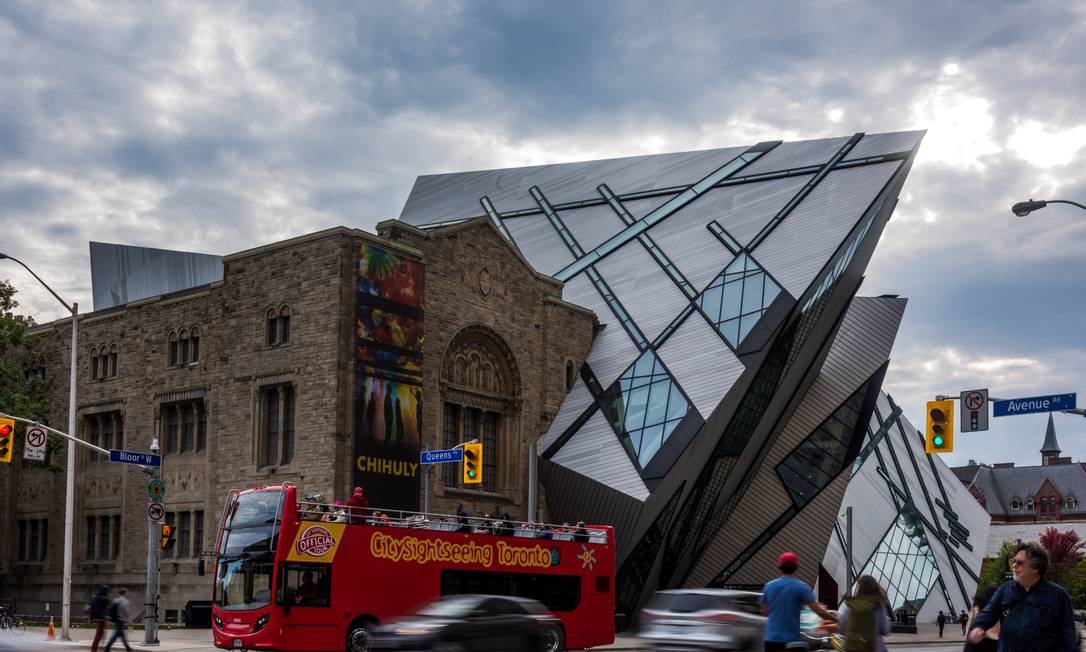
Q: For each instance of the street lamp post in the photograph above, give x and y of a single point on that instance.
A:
(69, 493)
(1024, 208)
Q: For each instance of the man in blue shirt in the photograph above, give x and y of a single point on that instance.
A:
(1036, 615)
(782, 601)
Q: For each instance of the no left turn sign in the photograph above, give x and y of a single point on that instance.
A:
(34, 448)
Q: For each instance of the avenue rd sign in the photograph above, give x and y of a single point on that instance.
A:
(1034, 404)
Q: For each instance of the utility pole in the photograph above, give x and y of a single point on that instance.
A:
(150, 599)
(849, 578)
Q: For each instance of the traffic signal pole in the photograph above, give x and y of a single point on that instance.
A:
(150, 596)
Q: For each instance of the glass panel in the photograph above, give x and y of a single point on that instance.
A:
(271, 425)
(288, 424)
(188, 423)
(904, 563)
(644, 405)
(273, 336)
(737, 298)
(195, 348)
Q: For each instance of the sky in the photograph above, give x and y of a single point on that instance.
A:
(220, 126)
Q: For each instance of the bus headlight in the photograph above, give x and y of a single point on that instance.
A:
(218, 623)
(260, 623)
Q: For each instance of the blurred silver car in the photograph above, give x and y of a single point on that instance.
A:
(703, 619)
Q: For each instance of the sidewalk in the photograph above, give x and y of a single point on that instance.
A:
(928, 634)
(169, 640)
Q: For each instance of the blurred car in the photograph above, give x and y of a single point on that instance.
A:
(719, 619)
(474, 623)
(703, 619)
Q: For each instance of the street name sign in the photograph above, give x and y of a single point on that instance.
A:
(34, 448)
(1034, 404)
(133, 457)
(974, 411)
(440, 457)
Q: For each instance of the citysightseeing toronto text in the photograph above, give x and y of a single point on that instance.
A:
(423, 551)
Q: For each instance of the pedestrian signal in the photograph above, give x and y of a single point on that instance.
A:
(473, 463)
(7, 439)
(940, 433)
(167, 536)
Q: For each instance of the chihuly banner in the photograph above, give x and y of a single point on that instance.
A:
(388, 385)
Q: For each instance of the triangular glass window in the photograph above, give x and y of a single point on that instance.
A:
(644, 405)
(737, 299)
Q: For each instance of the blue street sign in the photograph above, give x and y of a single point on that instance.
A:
(132, 457)
(440, 457)
(1034, 404)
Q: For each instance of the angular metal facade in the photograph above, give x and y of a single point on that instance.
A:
(122, 274)
(718, 415)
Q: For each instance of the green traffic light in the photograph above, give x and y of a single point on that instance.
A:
(938, 441)
(471, 474)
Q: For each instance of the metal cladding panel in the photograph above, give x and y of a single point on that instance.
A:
(806, 535)
(643, 288)
(745, 209)
(796, 154)
(701, 363)
(594, 451)
(612, 350)
(540, 243)
(803, 243)
(686, 241)
(873, 514)
(573, 406)
(592, 225)
(122, 274)
(888, 143)
(443, 197)
(572, 497)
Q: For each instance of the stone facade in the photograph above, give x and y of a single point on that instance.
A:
(476, 283)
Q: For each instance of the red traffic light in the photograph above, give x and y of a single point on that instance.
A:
(5, 429)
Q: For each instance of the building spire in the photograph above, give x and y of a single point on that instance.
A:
(1050, 449)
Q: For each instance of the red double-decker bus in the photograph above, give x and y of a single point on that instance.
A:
(285, 580)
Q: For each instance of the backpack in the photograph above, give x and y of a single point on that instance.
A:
(862, 629)
(115, 611)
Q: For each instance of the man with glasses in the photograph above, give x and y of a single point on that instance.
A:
(1036, 614)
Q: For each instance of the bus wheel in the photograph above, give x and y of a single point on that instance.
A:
(358, 636)
(554, 639)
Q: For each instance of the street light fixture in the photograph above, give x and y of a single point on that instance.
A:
(1024, 208)
(69, 494)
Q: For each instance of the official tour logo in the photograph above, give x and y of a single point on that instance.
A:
(315, 541)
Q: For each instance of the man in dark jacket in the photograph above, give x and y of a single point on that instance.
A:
(1036, 614)
(98, 612)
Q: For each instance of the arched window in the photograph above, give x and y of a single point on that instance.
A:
(284, 324)
(1016, 504)
(480, 389)
(183, 347)
(173, 353)
(194, 346)
(94, 363)
(1070, 502)
(271, 319)
(113, 361)
(1029, 504)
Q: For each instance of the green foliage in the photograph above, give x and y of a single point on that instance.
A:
(19, 396)
(994, 569)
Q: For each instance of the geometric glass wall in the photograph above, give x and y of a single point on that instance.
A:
(903, 563)
(736, 299)
(821, 456)
(644, 405)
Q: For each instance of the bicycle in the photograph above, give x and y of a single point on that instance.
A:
(13, 624)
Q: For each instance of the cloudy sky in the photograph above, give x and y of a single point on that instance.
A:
(215, 127)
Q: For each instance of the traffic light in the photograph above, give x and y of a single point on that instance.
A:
(167, 536)
(473, 463)
(7, 439)
(940, 433)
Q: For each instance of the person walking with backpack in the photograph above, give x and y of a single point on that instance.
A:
(118, 614)
(782, 601)
(98, 611)
(1035, 615)
(863, 620)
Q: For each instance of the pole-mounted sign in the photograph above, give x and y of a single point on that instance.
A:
(974, 410)
(1034, 404)
(34, 448)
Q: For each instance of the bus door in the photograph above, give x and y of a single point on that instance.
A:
(304, 592)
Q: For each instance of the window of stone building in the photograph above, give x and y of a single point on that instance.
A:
(570, 375)
(197, 533)
(92, 529)
(94, 363)
(275, 443)
(33, 543)
(105, 429)
(277, 329)
(480, 386)
(103, 537)
(184, 534)
(184, 426)
(1070, 502)
(112, 361)
(183, 347)
(171, 519)
(1016, 504)
(103, 362)
(1029, 504)
(34, 369)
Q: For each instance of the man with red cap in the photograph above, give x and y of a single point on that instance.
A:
(782, 601)
(355, 504)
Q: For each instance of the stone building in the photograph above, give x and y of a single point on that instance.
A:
(1024, 501)
(256, 380)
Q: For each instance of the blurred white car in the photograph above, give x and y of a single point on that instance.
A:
(703, 619)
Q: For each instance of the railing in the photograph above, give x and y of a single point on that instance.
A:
(317, 511)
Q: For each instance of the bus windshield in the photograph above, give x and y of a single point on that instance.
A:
(244, 583)
(253, 509)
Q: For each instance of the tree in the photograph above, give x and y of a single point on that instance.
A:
(995, 569)
(1065, 551)
(19, 395)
